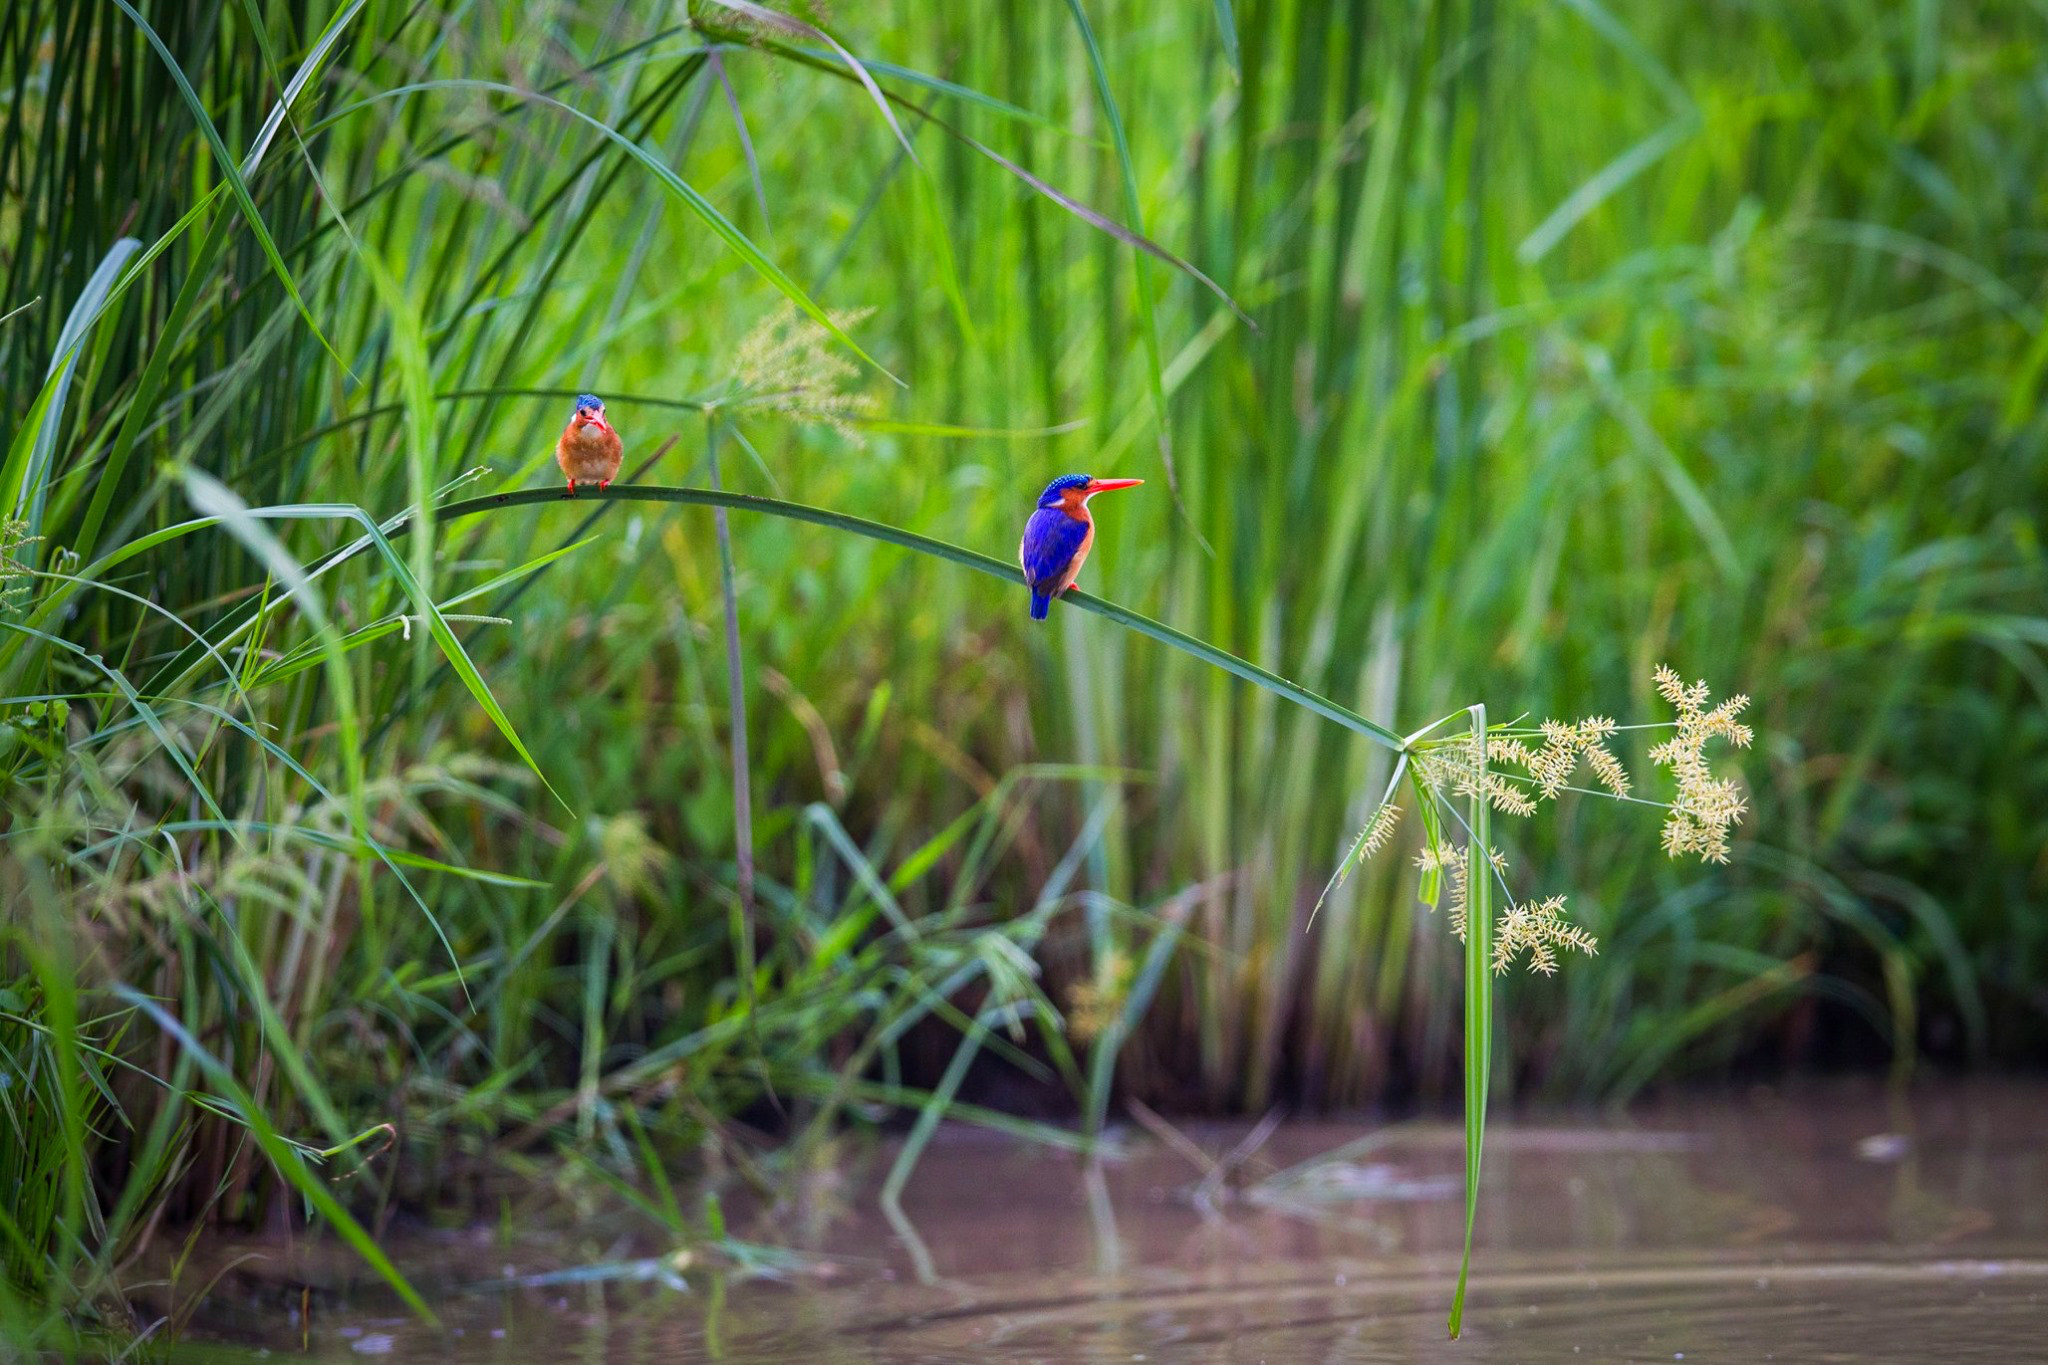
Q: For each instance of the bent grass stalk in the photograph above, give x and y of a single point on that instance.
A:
(925, 545)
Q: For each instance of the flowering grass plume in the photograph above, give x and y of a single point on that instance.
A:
(1378, 832)
(1706, 806)
(787, 364)
(1537, 929)
(1549, 756)
(1522, 767)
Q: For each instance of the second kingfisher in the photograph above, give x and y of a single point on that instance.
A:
(589, 451)
(1059, 535)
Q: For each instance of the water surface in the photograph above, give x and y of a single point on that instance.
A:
(1816, 1224)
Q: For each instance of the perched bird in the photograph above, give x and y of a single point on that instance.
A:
(1059, 535)
(589, 451)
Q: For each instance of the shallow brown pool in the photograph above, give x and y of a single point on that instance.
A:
(1815, 1224)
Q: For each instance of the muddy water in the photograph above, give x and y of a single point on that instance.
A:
(1820, 1224)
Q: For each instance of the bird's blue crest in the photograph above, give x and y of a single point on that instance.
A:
(1051, 496)
(588, 400)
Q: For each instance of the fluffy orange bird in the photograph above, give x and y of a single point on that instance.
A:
(589, 451)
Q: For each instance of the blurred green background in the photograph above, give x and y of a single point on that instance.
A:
(1588, 337)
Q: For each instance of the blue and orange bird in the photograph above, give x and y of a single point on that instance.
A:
(1059, 535)
(589, 451)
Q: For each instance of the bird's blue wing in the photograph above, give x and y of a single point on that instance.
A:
(1051, 539)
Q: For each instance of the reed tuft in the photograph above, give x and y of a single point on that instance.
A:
(787, 364)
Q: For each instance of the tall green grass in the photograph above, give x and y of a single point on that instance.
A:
(1586, 337)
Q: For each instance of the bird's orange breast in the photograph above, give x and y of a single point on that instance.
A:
(589, 452)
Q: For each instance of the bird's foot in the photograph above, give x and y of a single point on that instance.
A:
(603, 484)
(572, 488)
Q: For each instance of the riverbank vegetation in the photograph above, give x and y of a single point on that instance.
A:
(1472, 352)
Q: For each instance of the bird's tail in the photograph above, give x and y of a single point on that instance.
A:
(1041, 605)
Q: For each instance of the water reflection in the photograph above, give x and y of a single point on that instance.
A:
(1830, 1224)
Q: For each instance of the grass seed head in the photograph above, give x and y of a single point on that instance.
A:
(1535, 930)
(1380, 830)
(1539, 930)
(789, 364)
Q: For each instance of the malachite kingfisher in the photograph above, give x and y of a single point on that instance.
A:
(1059, 535)
(589, 451)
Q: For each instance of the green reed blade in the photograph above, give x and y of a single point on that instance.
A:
(1478, 1000)
(937, 549)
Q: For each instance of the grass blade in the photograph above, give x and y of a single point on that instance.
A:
(437, 625)
(1478, 1000)
(1226, 28)
(142, 708)
(230, 170)
(937, 549)
(30, 478)
(742, 245)
(198, 280)
(283, 1153)
(795, 27)
(1606, 182)
(1148, 320)
(938, 85)
(739, 124)
(742, 770)
(1101, 222)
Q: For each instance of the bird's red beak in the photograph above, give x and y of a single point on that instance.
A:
(1104, 485)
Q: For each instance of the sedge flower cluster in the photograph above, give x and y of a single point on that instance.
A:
(1535, 929)
(1519, 768)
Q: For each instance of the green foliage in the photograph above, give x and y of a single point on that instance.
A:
(1583, 343)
